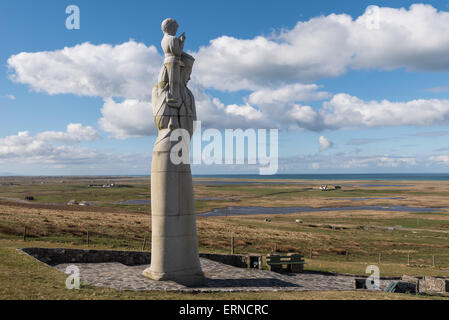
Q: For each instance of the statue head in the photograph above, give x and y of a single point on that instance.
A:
(187, 65)
(169, 26)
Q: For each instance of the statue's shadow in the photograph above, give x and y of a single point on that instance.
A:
(246, 283)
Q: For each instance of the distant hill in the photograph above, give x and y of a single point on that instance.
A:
(7, 174)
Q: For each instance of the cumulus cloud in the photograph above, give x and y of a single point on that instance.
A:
(441, 160)
(215, 114)
(344, 110)
(349, 162)
(325, 143)
(130, 118)
(274, 68)
(324, 46)
(327, 46)
(287, 94)
(75, 133)
(24, 145)
(133, 118)
(49, 152)
(126, 70)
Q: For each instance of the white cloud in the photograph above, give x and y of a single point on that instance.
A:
(327, 46)
(324, 46)
(287, 94)
(134, 118)
(325, 143)
(47, 153)
(75, 134)
(215, 114)
(272, 67)
(8, 96)
(442, 160)
(24, 145)
(130, 118)
(314, 166)
(126, 70)
(348, 111)
(350, 163)
(438, 89)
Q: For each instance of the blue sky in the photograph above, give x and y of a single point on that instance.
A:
(356, 81)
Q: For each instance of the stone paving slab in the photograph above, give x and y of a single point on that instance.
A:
(220, 278)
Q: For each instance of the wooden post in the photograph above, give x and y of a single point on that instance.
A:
(433, 261)
(232, 245)
(380, 257)
(25, 233)
(144, 243)
(87, 238)
(310, 253)
(408, 259)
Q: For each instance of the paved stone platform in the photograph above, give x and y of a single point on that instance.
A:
(220, 278)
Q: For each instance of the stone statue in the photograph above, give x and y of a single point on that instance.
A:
(174, 247)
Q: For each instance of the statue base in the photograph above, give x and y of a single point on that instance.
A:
(187, 278)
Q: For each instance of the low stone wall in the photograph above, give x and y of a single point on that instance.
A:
(430, 285)
(57, 256)
(52, 257)
(236, 260)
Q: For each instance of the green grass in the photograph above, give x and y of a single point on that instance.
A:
(22, 277)
(338, 250)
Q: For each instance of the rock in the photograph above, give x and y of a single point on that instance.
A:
(431, 285)
(410, 279)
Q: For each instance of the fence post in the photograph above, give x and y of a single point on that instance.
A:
(232, 245)
(433, 261)
(25, 233)
(380, 258)
(144, 243)
(310, 253)
(408, 259)
(87, 238)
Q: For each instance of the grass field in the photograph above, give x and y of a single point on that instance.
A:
(339, 241)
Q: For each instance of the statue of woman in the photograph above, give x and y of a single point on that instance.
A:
(174, 246)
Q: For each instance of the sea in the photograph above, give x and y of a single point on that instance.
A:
(339, 177)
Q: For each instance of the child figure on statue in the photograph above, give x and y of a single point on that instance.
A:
(173, 48)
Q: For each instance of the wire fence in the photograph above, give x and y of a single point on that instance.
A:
(143, 243)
